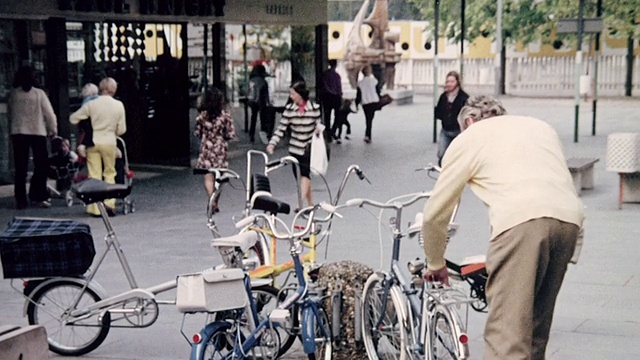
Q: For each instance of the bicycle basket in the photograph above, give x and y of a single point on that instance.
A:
(211, 291)
(32, 247)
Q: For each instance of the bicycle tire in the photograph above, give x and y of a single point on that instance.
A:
(263, 297)
(389, 340)
(59, 296)
(446, 330)
(217, 345)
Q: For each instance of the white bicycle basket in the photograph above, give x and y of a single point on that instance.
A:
(211, 291)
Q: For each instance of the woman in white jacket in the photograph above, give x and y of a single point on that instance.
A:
(32, 120)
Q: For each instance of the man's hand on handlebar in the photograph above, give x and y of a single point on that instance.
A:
(270, 148)
(440, 275)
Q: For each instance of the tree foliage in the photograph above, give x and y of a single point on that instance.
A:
(346, 10)
(526, 20)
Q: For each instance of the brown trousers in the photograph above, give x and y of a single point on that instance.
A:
(526, 266)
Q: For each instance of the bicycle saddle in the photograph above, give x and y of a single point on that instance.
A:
(262, 200)
(93, 190)
(244, 241)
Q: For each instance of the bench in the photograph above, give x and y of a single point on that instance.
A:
(26, 343)
(581, 169)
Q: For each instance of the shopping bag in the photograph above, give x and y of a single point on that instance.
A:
(319, 162)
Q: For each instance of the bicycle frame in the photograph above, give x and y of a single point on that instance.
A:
(309, 258)
(107, 303)
(303, 297)
(416, 301)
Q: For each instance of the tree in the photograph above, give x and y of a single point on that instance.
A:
(521, 19)
(619, 19)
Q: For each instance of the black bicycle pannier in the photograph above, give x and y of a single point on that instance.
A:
(32, 247)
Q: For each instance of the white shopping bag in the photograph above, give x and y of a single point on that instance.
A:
(319, 161)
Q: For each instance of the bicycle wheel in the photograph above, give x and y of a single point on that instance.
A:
(449, 339)
(50, 307)
(218, 345)
(266, 299)
(384, 334)
(324, 345)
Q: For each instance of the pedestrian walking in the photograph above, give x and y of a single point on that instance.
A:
(301, 117)
(108, 120)
(32, 119)
(369, 96)
(258, 97)
(516, 166)
(214, 128)
(449, 104)
(331, 96)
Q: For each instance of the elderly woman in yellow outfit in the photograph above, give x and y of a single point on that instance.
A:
(108, 121)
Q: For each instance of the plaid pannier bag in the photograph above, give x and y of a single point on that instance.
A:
(32, 247)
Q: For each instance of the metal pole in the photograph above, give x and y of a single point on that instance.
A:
(205, 60)
(246, 77)
(497, 61)
(463, 6)
(435, 70)
(595, 72)
(578, 71)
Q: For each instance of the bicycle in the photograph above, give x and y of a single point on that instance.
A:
(403, 318)
(256, 255)
(225, 340)
(259, 198)
(273, 270)
(75, 310)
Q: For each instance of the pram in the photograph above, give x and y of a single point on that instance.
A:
(124, 175)
(64, 168)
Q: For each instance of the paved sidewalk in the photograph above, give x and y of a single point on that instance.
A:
(597, 315)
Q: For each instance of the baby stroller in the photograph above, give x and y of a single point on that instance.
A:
(64, 168)
(124, 175)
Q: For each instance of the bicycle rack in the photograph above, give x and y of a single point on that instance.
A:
(336, 309)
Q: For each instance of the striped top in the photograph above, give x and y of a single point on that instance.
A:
(302, 126)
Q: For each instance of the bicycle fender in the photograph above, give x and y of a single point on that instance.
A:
(308, 323)
(205, 333)
(93, 285)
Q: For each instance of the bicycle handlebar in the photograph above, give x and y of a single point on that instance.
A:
(289, 234)
(430, 167)
(359, 202)
(219, 173)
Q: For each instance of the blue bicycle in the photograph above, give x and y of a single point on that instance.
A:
(224, 339)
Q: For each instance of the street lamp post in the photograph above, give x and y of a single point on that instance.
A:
(498, 59)
(435, 69)
(578, 71)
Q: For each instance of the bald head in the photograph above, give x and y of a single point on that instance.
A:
(108, 86)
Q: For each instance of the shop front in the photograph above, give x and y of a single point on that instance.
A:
(143, 44)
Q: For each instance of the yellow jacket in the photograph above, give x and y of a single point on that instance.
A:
(107, 119)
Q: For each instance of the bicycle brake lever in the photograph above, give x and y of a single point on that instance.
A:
(361, 176)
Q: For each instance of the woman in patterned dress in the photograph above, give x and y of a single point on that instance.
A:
(214, 127)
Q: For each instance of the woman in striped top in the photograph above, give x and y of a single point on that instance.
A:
(302, 117)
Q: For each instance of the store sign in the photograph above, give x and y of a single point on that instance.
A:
(148, 7)
(280, 10)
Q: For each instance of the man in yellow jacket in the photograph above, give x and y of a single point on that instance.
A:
(108, 121)
(516, 166)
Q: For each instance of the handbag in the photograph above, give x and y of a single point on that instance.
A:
(385, 100)
(318, 162)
